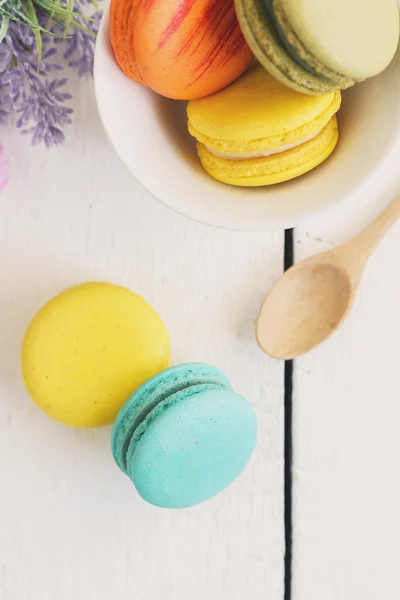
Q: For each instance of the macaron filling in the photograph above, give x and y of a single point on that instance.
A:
(264, 153)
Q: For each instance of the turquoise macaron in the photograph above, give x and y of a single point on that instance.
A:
(184, 436)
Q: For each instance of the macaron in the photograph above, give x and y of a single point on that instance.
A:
(121, 29)
(181, 50)
(260, 132)
(88, 349)
(316, 47)
(184, 436)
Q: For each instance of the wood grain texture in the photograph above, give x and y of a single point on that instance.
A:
(346, 443)
(71, 526)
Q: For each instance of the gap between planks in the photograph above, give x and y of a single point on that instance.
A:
(288, 442)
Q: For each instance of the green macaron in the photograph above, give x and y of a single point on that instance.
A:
(297, 50)
(316, 46)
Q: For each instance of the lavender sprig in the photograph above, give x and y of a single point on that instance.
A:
(37, 97)
(79, 47)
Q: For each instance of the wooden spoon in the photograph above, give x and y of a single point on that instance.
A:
(312, 298)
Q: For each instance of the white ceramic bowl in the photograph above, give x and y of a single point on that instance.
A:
(150, 135)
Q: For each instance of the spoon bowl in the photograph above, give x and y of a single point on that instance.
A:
(289, 326)
(312, 298)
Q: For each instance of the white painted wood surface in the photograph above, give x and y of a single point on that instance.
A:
(71, 526)
(346, 428)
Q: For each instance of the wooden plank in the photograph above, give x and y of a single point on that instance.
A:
(346, 444)
(71, 525)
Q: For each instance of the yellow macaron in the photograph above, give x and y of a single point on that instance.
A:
(88, 349)
(259, 132)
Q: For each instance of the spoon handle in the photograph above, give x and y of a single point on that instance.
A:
(365, 243)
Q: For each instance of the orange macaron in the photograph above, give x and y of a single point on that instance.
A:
(182, 49)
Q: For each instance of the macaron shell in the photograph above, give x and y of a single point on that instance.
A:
(298, 51)
(122, 16)
(153, 392)
(356, 38)
(189, 49)
(194, 448)
(159, 409)
(273, 169)
(257, 112)
(262, 39)
(88, 349)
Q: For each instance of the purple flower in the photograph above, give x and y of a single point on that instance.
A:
(79, 48)
(38, 98)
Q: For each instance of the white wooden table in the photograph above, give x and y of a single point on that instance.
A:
(71, 526)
